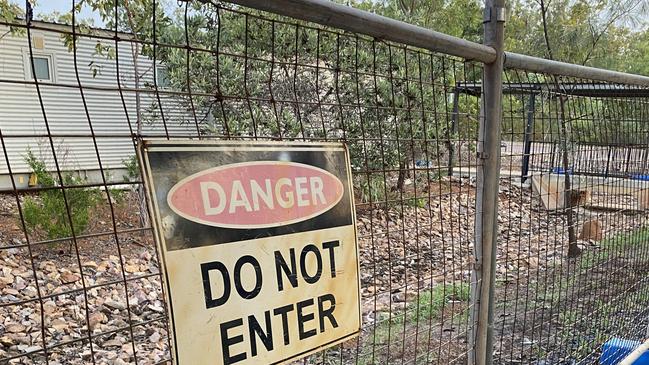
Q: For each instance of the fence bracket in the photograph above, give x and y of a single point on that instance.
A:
(477, 266)
(500, 14)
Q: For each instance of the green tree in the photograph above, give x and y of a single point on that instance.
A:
(637, 54)
(9, 12)
(588, 32)
(247, 76)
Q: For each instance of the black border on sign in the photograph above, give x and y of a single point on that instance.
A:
(199, 145)
(153, 212)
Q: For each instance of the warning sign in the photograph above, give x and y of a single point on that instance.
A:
(258, 246)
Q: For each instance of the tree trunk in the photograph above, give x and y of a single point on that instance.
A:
(402, 175)
(141, 195)
(573, 249)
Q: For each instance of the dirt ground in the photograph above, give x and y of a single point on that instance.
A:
(67, 305)
(408, 247)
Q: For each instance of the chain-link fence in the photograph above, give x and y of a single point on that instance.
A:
(80, 280)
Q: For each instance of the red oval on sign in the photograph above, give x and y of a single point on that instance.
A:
(256, 194)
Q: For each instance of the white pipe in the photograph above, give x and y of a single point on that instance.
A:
(635, 355)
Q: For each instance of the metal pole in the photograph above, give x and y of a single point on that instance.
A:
(339, 16)
(329, 13)
(527, 141)
(453, 131)
(608, 162)
(488, 175)
(540, 65)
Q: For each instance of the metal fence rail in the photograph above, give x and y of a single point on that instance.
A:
(467, 253)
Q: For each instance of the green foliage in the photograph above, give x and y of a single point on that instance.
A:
(9, 12)
(132, 167)
(392, 103)
(46, 212)
(590, 32)
(434, 14)
(419, 202)
(432, 302)
(118, 196)
(428, 306)
(359, 88)
(373, 191)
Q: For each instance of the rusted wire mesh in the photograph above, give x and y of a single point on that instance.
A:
(90, 291)
(79, 277)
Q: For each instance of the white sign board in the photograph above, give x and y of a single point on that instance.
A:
(258, 245)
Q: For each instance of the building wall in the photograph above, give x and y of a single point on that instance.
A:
(22, 122)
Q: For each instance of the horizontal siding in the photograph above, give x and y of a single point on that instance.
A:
(21, 114)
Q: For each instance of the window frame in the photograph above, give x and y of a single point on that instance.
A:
(157, 72)
(51, 62)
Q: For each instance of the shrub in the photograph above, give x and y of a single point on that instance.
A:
(132, 169)
(118, 196)
(47, 213)
(373, 190)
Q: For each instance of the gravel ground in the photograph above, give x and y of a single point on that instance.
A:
(404, 249)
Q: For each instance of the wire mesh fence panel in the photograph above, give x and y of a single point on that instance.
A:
(573, 244)
(80, 280)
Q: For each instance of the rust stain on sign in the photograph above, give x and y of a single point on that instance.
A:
(258, 245)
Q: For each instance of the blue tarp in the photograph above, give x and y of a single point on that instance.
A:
(616, 349)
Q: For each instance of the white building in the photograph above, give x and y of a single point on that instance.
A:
(22, 122)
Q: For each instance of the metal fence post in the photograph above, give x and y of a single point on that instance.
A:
(488, 175)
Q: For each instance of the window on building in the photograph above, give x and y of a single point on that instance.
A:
(162, 77)
(42, 68)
